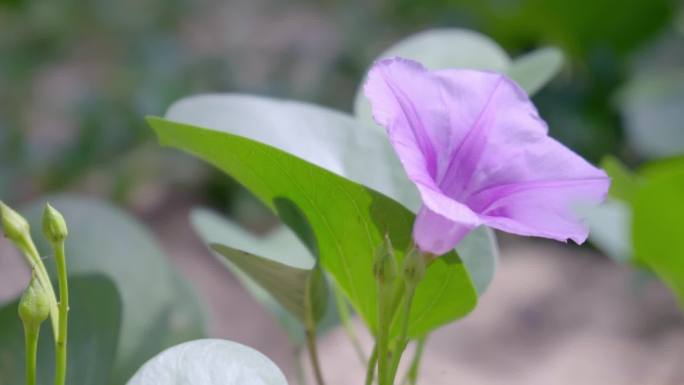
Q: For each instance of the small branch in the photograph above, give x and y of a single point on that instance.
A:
(313, 354)
(412, 374)
(301, 378)
(345, 318)
(370, 371)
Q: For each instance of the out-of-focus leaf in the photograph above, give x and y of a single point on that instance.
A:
(209, 362)
(349, 220)
(462, 48)
(658, 227)
(610, 229)
(610, 224)
(480, 254)
(623, 182)
(651, 105)
(94, 322)
(535, 69)
(106, 240)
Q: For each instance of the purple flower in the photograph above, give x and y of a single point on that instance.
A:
(476, 148)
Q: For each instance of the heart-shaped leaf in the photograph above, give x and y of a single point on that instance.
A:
(209, 362)
(94, 321)
(331, 140)
(348, 219)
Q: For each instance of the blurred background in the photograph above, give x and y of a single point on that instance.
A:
(77, 79)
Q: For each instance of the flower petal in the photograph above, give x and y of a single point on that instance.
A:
(478, 151)
(436, 234)
(506, 168)
(406, 100)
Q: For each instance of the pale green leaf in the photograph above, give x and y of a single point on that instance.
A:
(533, 70)
(209, 362)
(651, 104)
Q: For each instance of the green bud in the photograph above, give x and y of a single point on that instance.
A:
(414, 267)
(54, 225)
(385, 263)
(34, 306)
(15, 227)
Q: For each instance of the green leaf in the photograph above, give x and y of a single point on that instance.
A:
(227, 362)
(289, 285)
(331, 140)
(657, 227)
(349, 220)
(104, 239)
(281, 245)
(533, 70)
(94, 321)
(623, 182)
(610, 229)
(462, 48)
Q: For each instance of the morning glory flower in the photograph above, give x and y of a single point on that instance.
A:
(475, 147)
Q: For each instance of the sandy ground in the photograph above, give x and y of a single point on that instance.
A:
(554, 315)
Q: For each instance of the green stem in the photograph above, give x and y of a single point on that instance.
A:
(412, 374)
(345, 318)
(385, 316)
(313, 354)
(403, 339)
(31, 343)
(370, 371)
(61, 344)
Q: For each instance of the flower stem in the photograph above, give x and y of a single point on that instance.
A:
(313, 354)
(31, 343)
(372, 361)
(403, 339)
(385, 316)
(61, 344)
(412, 374)
(345, 318)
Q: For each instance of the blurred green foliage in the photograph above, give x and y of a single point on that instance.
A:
(76, 77)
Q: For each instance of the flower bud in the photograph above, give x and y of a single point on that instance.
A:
(34, 306)
(414, 267)
(54, 225)
(385, 264)
(15, 227)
